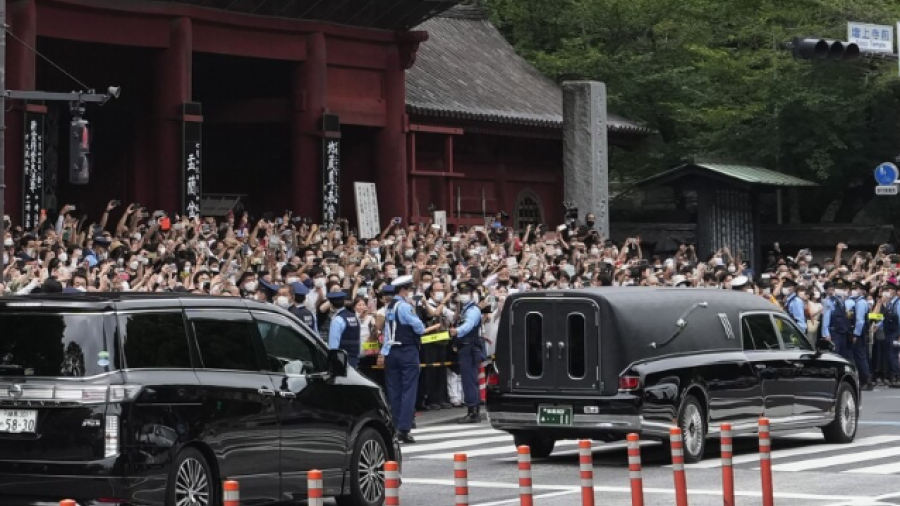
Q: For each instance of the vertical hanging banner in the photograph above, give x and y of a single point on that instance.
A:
(331, 170)
(367, 210)
(192, 156)
(33, 181)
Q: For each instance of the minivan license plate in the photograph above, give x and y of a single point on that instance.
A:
(554, 415)
(16, 421)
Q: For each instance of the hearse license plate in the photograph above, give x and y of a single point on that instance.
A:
(554, 415)
(16, 421)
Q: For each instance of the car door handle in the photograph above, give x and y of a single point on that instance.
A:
(287, 395)
(549, 348)
(266, 392)
(798, 365)
(760, 366)
(561, 345)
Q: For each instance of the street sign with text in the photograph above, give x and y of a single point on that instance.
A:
(886, 190)
(871, 38)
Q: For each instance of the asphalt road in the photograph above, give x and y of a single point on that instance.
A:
(806, 470)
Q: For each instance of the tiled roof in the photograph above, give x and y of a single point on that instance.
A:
(741, 173)
(468, 71)
(828, 236)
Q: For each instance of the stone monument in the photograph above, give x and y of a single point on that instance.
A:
(586, 151)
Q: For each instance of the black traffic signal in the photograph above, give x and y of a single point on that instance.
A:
(824, 49)
(79, 152)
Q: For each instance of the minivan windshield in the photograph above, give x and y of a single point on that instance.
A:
(52, 344)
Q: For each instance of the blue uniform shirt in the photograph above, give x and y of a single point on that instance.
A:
(338, 325)
(826, 315)
(405, 316)
(861, 309)
(795, 309)
(471, 320)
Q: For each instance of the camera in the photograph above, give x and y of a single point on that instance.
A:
(571, 215)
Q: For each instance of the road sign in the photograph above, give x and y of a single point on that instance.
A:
(886, 190)
(871, 38)
(886, 174)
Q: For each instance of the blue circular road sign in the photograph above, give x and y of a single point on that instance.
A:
(886, 174)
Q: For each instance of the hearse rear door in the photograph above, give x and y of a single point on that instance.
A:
(555, 345)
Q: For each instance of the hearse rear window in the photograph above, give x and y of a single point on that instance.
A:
(575, 329)
(54, 345)
(534, 345)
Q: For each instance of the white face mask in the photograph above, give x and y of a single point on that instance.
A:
(465, 298)
(293, 279)
(134, 265)
(283, 302)
(8, 243)
(250, 286)
(732, 269)
(319, 283)
(840, 293)
(785, 291)
(410, 252)
(438, 296)
(595, 251)
(162, 250)
(63, 257)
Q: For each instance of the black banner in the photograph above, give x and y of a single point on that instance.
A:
(33, 163)
(331, 195)
(192, 167)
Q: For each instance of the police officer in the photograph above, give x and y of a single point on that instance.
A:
(793, 304)
(836, 324)
(402, 339)
(741, 283)
(470, 349)
(891, 326)
(299, 308)
(344, 332)
(858, 311)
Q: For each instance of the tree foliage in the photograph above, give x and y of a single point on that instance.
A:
(715, 79)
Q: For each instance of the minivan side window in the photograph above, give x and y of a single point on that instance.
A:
(155, 341)
(288, 351)
(763, 332)
(534, 345)
(226, 344)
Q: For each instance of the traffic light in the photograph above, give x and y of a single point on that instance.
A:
(79, 151)
(824, 49)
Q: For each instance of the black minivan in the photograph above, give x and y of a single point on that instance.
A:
(146, 399)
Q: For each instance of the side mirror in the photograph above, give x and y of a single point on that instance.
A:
(337, 363)
(824, 345)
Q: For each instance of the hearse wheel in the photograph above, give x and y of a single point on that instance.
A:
(366, 471)
(693, 429)
(191, 482)
(846, 415)
(541, 447)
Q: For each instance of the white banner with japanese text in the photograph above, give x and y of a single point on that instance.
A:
(367, 210)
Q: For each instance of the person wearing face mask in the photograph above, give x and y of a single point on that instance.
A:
(891, 327)
(858, 311)
(836, 326)
(403, 331)
(432, 390)
(344, 331)
(470, 349)
(814, 316)
(793, 304)
(248, 285)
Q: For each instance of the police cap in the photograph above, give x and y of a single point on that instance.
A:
(466, 286)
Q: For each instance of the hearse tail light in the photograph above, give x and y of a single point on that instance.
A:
(111, 436)
(629, 382)
(493, 379)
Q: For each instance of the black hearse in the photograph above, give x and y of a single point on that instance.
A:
(601, 363)
(153, 399)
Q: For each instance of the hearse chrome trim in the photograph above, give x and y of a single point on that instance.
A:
(614, 422)
(726, 324)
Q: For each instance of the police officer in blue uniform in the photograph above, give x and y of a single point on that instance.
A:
(858, 312)
(836, 325)
(299, 308)
(343, 334)
(793, 304)
(470, 350)
(891, 326)
(403, 332)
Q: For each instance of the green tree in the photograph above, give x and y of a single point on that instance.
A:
(714, 78)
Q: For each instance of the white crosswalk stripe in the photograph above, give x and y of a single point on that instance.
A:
(805, 451)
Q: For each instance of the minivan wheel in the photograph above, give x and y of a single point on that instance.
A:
(693, 429)
(191, 481)
(366, 471)
(541, 447)
(846, 416)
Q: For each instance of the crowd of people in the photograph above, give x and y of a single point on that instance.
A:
(283, 259)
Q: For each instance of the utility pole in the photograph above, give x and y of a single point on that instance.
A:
(3, 127)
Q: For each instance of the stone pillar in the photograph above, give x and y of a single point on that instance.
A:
(20, 75)
(310, 99)
(162, 185)
(391, 176)
(586, 150)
